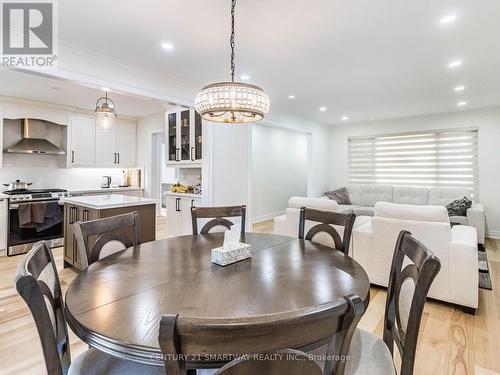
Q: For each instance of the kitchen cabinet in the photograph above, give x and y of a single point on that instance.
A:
(82, 141)
(115, 147)
(179, 214)
(74, 212)
(125, 143)
(183, 130)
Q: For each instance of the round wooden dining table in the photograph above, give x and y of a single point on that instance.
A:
(116, 304)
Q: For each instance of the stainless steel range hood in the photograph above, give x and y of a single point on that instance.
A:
(34, 139)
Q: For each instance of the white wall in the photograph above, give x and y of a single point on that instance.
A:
(488, 123)
(146, 126)
(279, 169)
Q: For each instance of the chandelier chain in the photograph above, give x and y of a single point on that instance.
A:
(233, 5)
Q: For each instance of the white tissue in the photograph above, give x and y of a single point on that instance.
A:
(232, 236)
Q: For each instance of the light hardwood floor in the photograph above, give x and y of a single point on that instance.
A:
(451, 342)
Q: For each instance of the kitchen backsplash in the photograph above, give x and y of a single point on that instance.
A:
(45, 172)
(189, 176)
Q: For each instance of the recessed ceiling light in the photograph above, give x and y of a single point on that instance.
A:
(461, 104)
(448, 19)
(345, 118)
(244, 77)
(56, 88)
(459, 88)
(168, 46)
(322, 109)
(455, 63)
(291, 96)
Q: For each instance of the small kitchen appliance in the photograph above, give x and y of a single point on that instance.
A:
(106, 182)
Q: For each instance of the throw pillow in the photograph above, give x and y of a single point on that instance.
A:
(459, 207)
(340, 196)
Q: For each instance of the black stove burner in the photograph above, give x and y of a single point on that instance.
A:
(33, 191)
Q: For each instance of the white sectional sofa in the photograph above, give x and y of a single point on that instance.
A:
(373, 242)
(364, 197)
(288, 224)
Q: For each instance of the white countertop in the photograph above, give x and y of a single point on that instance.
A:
(103, 190)
(102, 202)
(185, 195)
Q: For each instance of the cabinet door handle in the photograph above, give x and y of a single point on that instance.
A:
(72, 157)
(118, 158)
(192, 203)
(178, 154)
(192, 153)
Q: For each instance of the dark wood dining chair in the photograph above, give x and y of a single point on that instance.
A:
(38, 284)
(99, 238)
(406, 295)
(326, 220)
(219, 217)
(268, 335)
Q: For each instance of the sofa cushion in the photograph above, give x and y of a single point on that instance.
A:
(363, 211)
(462, 220)
(354, 192)
(443, 196)
(411, 212)
(347, 208)
(340, 196)
(410, 195)
(371, 194)
(324, 204)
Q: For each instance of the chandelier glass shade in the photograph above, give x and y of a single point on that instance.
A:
(232, 102)
(105, 113)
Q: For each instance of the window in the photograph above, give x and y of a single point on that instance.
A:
(444, 158)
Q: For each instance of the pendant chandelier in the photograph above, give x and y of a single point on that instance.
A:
(232, 102)
(105, 113)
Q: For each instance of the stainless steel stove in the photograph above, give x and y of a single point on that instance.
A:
(21, 236)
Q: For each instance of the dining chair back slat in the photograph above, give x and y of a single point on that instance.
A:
(38, 284)
(268, 334)
(326, 220)
(112, 233)
(406, 295)
(219, 217)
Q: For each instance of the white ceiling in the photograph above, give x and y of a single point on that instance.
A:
(366, 59)
(52, 91)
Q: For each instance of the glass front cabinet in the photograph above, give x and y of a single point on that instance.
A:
(183, 131)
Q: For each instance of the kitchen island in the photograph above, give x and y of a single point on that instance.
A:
(93, 207)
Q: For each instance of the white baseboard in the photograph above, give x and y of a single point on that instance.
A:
(495, 234)
(265, 217)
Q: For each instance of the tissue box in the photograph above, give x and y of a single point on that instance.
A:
(232, 254)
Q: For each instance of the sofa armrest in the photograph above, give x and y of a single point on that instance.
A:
(463, 267)
(477, 219)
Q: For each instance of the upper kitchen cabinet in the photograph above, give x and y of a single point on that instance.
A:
(115, 146)
(125, 143)
(184, 138)
(82, 141)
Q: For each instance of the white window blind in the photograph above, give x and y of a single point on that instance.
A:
(444, 158)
